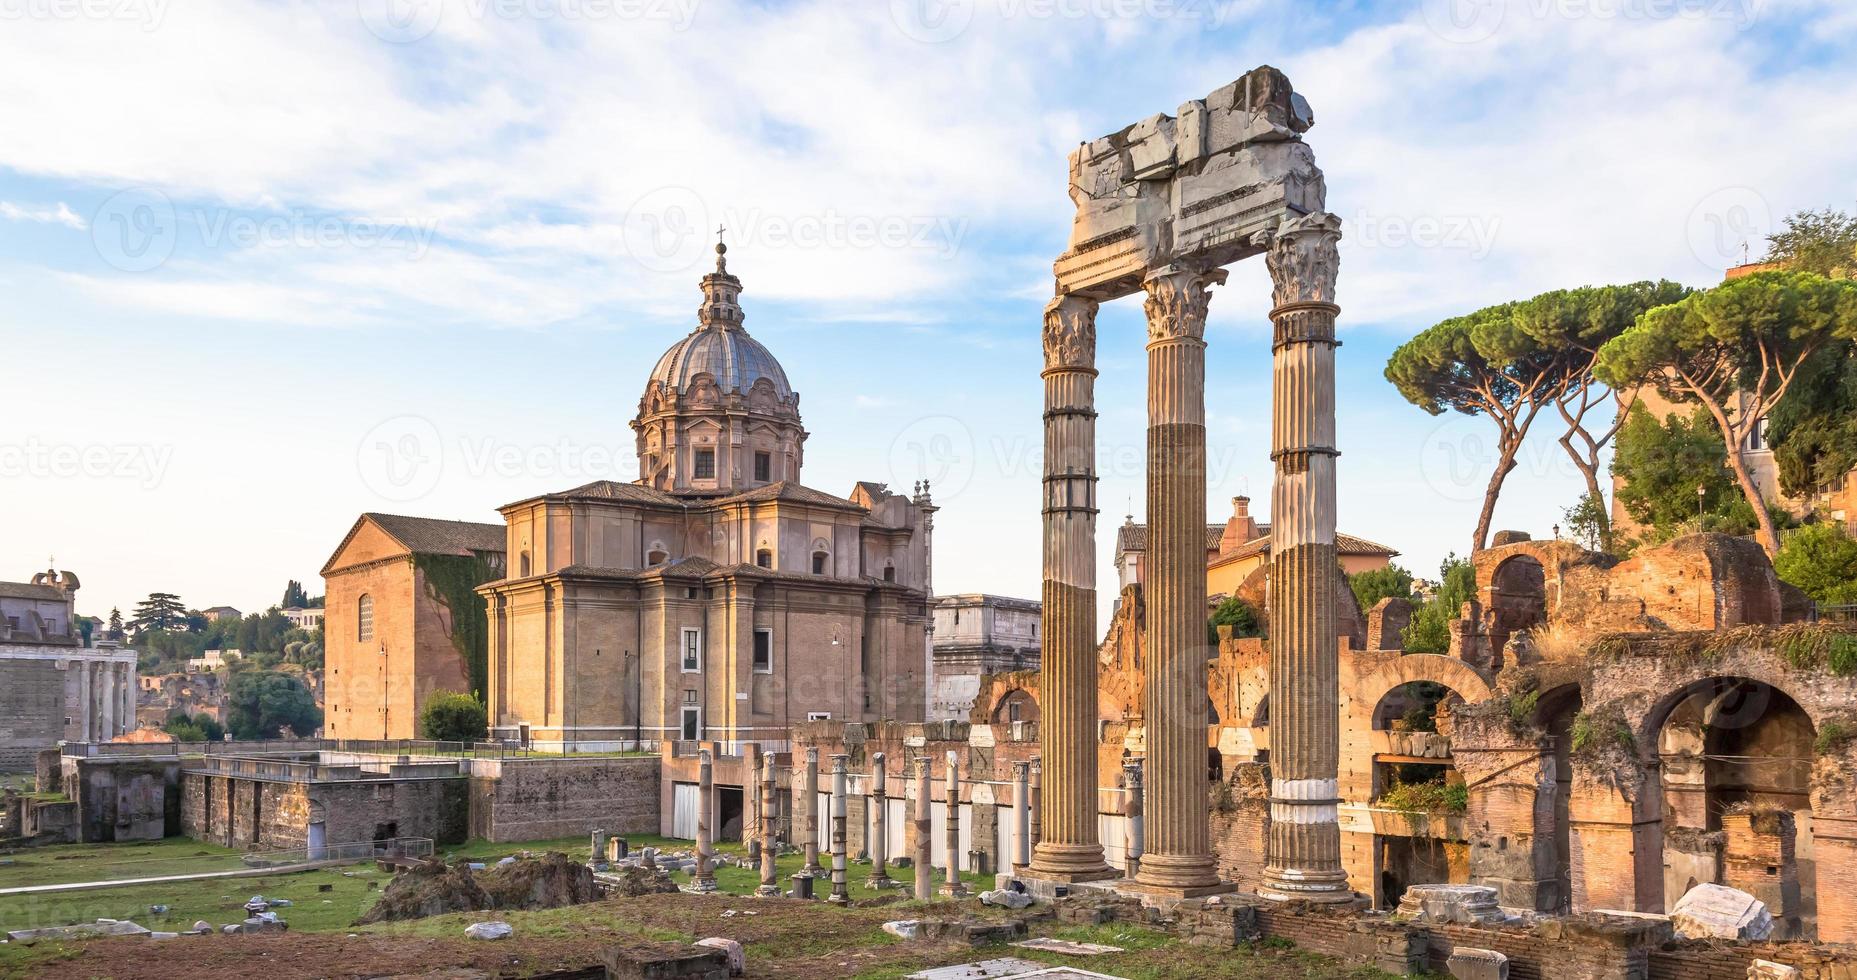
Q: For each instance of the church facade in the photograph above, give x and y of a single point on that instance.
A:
(717, 598)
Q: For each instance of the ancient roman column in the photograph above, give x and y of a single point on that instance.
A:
(1038, 805)
(1179, 858)
(770, 875)
(1304, 850)
(952, 887)
(840, 785)
(879, 842)
(1021, 816)
(1067, 706)
(924, 863)
(809, 787)
(107, 687)
(705, 878)
(80, 673)
(1131, 816)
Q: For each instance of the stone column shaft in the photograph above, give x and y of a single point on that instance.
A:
(840, 779)
(953, 887)
(809, 787)
(1021, 816)
(1304, 847)
(879, 844)
(1067, 717)
(705, 878)
(770, 875)
(1132, 819)
(1179, 858)
(924, 864)
(81, 671)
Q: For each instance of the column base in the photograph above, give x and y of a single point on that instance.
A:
(879, 881)
(1139, 887)
(1183, 875)
(767, 891)
(837, 899)
(1318, 887)
(1068, 863)
(953, 889)
(703, 887)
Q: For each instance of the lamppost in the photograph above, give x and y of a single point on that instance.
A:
(1702, 492)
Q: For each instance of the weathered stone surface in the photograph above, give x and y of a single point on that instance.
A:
(87, 930)
(1710, 911)
(1468, 963)
(1769, 970)
(904, 928)
(1006, 898)
(738, 961)
(1466, 904)
(489, 930)
(666, 961)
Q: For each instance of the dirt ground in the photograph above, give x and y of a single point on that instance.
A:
(783, 940)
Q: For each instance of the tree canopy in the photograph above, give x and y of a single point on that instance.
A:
(261, 703)
(1430, 628)
(1822, 561)
(1380, 583)
(161, 611)
(1240, 615)
(1508, 362)
(1735, 350)
(1824, 242)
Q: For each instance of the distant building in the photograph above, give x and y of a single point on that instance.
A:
(1238, 553)
(211, 660)
(304, 618)
(402, 619)
(978, 634)
(221, 612)
(54, 687)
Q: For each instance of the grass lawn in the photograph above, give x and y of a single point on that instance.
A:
(104, 862)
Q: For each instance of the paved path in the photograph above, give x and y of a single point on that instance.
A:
(78, 886)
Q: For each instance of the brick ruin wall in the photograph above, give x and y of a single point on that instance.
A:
(539, 799)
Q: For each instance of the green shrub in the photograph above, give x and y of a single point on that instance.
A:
(1833, 736)
(1434, 797)
(1240, 615)
(452, 717)
(1522, 706)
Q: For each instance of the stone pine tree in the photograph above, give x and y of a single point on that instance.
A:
(1813, 430)
(1482, 364)
(1735, 350)
(1580, 322)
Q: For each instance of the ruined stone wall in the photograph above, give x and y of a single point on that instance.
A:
(32, 710)
(538, 799)
(127, 799)
(371, 810)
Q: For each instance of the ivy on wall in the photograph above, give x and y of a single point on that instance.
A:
(452, 581)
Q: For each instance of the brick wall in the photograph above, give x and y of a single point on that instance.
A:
(32, 711)
(537, 799)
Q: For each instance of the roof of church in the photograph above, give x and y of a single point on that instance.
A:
(26, 590)
(789, 490)
(733, 358)
(614, 490)
(429, 536)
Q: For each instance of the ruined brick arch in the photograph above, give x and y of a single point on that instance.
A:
(1461, 678)
(1647, 701)
(1024, 699)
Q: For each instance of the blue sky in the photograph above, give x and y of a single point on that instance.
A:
(256, 257)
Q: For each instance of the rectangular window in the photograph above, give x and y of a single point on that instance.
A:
(764, 651)
(692, 650)
(818, 563)
(706, 464)
(692, 724)
(763, 467)
(818, 716)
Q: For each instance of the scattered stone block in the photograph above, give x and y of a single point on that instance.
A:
(665, 961)
(904, 928)
(1006, 899)
(1009, 966)
(202, 925)
(489, 930)
(1467, 963)
(84, 930)
(1065, 946)
(1473, 905)
(738, 961)
(1711, 911)
(1769, 970)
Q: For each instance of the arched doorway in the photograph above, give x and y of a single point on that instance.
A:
(1734, 766)
(1517, 601)
(1555, 710)
(1413, 776)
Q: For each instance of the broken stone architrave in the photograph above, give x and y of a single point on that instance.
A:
(738, 961)
(1710, 911)
(1463, 904)
(489, 930)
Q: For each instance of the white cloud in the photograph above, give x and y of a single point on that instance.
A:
(60, 215)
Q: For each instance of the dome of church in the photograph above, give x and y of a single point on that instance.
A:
(729, 355)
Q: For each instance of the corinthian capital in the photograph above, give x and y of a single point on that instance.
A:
(1070, 333)
(1303, 259)
(1177, 302)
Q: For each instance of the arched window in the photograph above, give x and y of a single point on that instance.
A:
(764, 558)
(655, 558)
(364, 618)
(889, 573)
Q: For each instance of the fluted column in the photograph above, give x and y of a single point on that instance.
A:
(1069, 850)
(1021, 816)
(86, 733)
(1131, 816)
(1179, 858)
(1304, 850)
